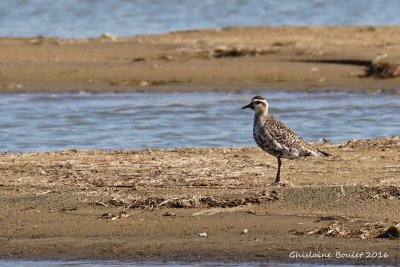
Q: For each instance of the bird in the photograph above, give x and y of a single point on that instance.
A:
(277, 139)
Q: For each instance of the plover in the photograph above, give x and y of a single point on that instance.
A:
(274, 137)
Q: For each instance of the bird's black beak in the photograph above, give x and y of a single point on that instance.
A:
(248, 106)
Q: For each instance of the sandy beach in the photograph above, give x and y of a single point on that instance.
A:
(157, 204)
(154, 204)
(218, 59)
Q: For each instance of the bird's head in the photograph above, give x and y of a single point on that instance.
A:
(259, 104)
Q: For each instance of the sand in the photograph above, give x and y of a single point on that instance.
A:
(153, 204)
(218, 59)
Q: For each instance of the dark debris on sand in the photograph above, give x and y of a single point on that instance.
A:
(383, 69)
(152, 202)
(223, 51)
(351, 228)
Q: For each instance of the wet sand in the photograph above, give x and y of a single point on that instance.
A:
(153, 204)
(217, 59)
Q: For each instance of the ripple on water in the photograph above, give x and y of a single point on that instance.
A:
(65, 19)
(35, 122)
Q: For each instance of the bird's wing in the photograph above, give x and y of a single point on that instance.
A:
(288, 138)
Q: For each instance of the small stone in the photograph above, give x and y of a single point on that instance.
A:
(245, 231)
(203, 234)
(36, 41)
(144, 83)
(108, 36)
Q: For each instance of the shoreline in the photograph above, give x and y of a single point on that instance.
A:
(80, 89)
(169, 89)
(227, 59)
(153, 204)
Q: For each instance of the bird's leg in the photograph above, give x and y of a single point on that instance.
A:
(278, 174)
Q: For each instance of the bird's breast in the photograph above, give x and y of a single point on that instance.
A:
(265, 141)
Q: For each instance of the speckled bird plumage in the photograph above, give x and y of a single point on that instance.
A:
(274, 137)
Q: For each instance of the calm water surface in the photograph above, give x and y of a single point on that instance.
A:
(88, 18)
(38, 122)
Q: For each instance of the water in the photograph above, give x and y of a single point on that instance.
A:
(88, 18)
(39, 122)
